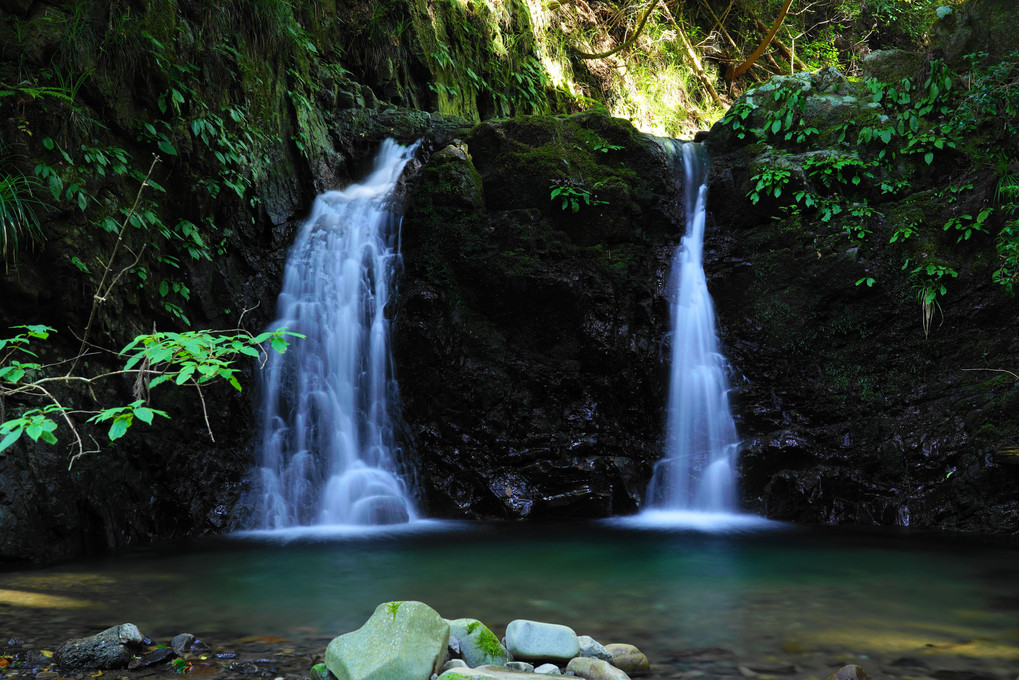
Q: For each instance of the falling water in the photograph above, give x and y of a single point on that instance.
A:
(698, 470)
(328, 453)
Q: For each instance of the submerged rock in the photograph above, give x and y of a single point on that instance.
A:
(112, 648)
(538, 641)
(849, 672)
(405, 640)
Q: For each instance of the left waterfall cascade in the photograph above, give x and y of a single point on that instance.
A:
(328, 453)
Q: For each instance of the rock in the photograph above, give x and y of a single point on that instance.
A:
(629, 659)
(478, 644)
(521, 666)
(595, 669)
(484, 673)
(746, 672)
(182, 643)
(380, 510)
(320, 672)
(537, 641)
(161, 655)
(591, 648)
(405, 640)
(454, 663)
(112, 648)
(548, 669)
(849, 672)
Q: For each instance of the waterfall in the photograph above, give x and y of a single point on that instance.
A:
(329, 404)
(697, 471)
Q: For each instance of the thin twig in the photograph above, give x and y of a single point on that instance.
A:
(996, 370)
(99, 295)
(205, 413)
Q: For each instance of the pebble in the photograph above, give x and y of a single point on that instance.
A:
(519, 666)
(548, 669)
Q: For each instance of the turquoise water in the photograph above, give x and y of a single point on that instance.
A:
(767, 593)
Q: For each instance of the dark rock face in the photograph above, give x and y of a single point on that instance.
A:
(528, 336)
(849, 413)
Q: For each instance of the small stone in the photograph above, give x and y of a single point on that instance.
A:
(112, 648)
(629, 659)
(454, 663)
(591, 648)
(538, 641)
(849, 672)
(548, 669)
(182, 643)
(746, 672)
(595, 669)
(519, 666)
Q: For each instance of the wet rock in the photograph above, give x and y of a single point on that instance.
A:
(182, 643)
(455, 663)
(629, 659)
(591, 648)
(156, 657)
(538, 641)
(478, 645)
(401, 640)
(595, 669)
(849, 672)
(107, 650)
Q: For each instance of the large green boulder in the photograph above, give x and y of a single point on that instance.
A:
(401, 641)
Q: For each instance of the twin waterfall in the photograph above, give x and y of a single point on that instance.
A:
(698, 470)
(330, 403)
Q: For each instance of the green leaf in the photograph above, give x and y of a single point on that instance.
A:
(144, 414)
(166, 147)
(929, 157)
(776, 126)
(120, 425)
(11, 437)
(34, 430)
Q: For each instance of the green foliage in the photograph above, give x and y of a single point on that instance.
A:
(770, 181)
(393, 608)
(967, 225)
(18, 220)
(194, 357)
(571, 196)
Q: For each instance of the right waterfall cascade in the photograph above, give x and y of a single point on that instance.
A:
(698, 470)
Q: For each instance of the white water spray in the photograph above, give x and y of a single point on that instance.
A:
(329, 404)
(697, 472)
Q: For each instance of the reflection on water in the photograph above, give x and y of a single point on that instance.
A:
(752, 592)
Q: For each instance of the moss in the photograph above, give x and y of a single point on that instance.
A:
(489, 644)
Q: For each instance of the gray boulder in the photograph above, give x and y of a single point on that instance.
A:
(537, 641)
(477, 644)
(548, 669)
(112, 648)
(591, 648)
(401, 640)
